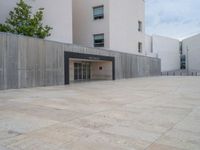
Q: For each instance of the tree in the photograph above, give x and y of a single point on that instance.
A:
(22, 21)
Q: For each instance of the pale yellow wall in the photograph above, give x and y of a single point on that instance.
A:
(104, 74)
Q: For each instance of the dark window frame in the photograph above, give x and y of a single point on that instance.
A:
(140, 46)
(100, 16)
(140, 26)
(100, 43)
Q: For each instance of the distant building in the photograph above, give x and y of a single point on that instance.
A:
(191, 52)
(175, 54)
(167, 49)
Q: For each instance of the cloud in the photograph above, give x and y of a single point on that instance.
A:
(173, 18)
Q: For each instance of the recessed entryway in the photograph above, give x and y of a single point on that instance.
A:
(87, 67)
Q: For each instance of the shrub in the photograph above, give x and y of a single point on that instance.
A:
(22, 21)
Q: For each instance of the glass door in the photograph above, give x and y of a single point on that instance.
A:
(81, 71)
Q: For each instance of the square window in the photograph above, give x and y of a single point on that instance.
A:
(98, 40)
(98, 12)
(140, 26)
(140, 47)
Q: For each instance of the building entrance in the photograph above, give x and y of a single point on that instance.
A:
(85, 67)
(82, 71)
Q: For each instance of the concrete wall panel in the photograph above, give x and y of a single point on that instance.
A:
(11, 60)
(30, 62)
(2, 52)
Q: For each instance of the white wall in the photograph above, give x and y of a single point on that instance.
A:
(148, 44)
(124, 17)
(57, 14)
(120, 23)
(193, 45)
(168, 51)
(149, 47)
(84, 27)
(104, 74)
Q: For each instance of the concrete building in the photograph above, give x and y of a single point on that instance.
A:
(31, 62)
(111, 24)
(191, 53)
(115, 26)
(56, 14)
(167, 49)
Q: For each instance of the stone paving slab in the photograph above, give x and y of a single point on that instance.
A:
(157, 113)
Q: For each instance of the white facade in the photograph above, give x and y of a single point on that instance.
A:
(192, 45)
(167, 49)
(57, 14)
(149, 46)
(119, 25)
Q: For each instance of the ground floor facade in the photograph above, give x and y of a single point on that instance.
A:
(30, 62)
(85, 67)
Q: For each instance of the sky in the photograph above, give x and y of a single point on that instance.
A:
(173, 18)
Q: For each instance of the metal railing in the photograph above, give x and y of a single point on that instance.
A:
(174, 73)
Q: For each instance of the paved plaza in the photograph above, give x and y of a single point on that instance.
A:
(155, 113)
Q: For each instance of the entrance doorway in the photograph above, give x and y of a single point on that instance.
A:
(82, 71)
(84, 67)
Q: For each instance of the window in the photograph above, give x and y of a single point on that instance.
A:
(183, 62)
(98, 40)
(140, 26)
(139, 47)
(98, 12)
(100, 68)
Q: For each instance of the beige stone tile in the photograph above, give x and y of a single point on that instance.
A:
(3, 148)
(181, 139)
(42, 112)
(191, 123)
(14, 123)
(162, 147)
(105, 141)
(56, 137)
(159, 113)
(132, 133)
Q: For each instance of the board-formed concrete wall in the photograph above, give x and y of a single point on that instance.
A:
(30, 62)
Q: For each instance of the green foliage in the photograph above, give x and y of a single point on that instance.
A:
(22, 21)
